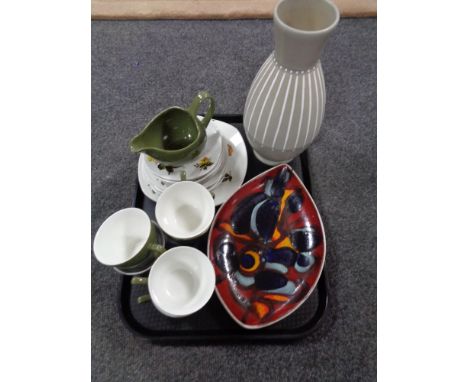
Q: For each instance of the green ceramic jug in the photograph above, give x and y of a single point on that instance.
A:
(176, 134)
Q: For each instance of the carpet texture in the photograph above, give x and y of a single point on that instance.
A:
(138, 68)
(209, 9)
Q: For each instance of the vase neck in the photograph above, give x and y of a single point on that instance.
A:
(301, 28)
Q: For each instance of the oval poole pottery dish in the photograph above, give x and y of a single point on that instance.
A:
(267, 245)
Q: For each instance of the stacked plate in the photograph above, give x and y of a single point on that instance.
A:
(220, 166)
(206, 168)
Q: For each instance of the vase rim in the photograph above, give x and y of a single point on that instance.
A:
(303, 31)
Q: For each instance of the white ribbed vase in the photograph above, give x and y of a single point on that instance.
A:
(285, 105)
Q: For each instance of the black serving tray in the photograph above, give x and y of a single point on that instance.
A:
(212, 323)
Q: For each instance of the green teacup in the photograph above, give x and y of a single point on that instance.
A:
(175, 134)
(128, 241)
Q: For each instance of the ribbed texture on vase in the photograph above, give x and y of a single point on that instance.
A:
(284, 110)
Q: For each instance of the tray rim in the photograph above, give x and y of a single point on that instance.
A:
(245, 335)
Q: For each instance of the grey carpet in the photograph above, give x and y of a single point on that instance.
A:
(140, 67)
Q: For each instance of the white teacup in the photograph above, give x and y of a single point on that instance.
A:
(185, 210)
(128, 241)
(181, 282)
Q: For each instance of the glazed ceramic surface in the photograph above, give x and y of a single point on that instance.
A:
(181, 281)
(267, 244)
(197, 168)
(206, 169)
(285, 105)
(185, 210)
(231, 177)
(127, 239)
(210, 181)
(175, 134)
(144, 266)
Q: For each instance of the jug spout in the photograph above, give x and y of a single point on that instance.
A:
(137, 144)
(175, 134)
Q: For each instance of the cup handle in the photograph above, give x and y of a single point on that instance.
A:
(143, 299)
(193, 108)
(157, 249)
(137, 280)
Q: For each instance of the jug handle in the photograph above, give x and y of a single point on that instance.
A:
(197, 101)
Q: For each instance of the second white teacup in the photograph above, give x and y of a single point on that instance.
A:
(185, 210)
(180, 282)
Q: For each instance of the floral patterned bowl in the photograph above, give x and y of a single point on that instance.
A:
(267, 245)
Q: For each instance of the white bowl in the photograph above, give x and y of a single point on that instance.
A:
(181, 281)
(185, 210)
(122, 236)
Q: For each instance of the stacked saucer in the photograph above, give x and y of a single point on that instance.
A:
(206, 168)
(220, 166)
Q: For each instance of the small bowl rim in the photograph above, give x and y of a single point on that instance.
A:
(205, 263)
(200, 231)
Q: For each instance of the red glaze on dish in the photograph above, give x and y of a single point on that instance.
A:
(267, 245)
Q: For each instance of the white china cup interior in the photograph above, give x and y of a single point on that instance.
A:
(121, 236)
(181, 281)
(185, 210)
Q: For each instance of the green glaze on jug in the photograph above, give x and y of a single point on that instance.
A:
(175, 134)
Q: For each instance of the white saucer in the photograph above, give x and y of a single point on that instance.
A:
(209, 181)
(193, 169)
(234, 172)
